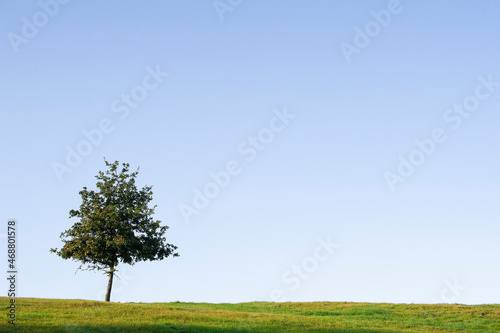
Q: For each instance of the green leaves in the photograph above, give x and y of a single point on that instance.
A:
(115, 224)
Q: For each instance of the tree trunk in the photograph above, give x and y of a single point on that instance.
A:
(110, 283)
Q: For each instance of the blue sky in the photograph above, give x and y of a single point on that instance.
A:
(326, 129)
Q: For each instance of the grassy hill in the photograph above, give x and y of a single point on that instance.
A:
(54, 315)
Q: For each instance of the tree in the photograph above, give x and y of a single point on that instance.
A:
(115, 225)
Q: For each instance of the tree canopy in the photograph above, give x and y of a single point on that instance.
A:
(115, 225)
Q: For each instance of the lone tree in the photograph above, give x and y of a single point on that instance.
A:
(116, 225)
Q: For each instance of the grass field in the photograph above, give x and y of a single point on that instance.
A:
(54, 315)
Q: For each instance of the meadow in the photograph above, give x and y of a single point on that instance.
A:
(62, 315)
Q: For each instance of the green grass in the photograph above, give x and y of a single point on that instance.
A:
(54, 315)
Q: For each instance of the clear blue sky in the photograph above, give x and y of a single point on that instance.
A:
(410, 222)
